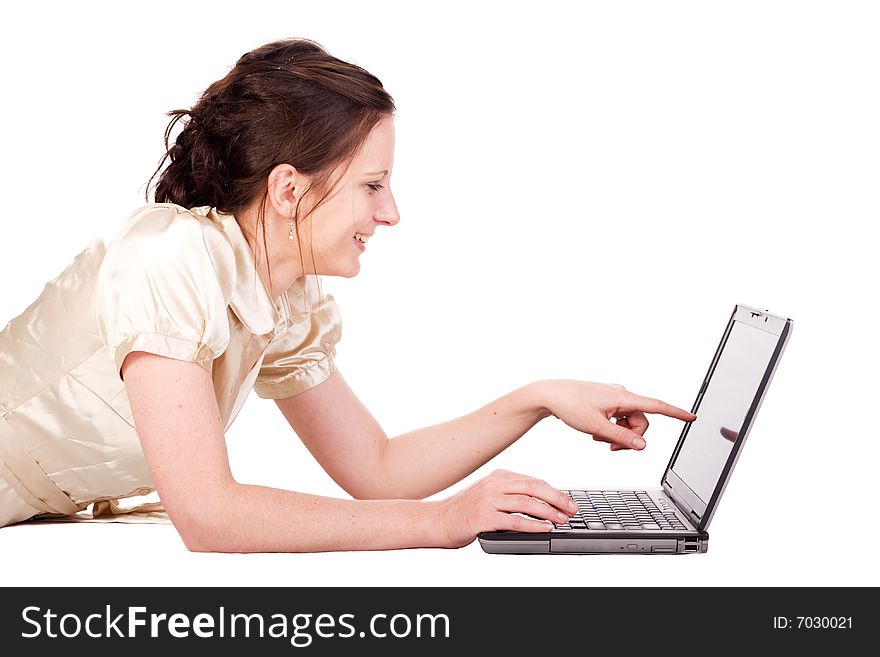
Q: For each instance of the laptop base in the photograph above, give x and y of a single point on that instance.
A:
(581, 543)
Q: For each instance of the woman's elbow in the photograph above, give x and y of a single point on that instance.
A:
(197, 535)
(198, 541)
(366, 489)
(199, 528)
(382, 491)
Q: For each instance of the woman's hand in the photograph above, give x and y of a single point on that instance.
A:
(488, 505)
(589, 407)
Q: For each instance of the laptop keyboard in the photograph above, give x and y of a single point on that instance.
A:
(620, 511)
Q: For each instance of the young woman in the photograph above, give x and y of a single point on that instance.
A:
(122, 377)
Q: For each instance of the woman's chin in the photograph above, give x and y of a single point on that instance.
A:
(349, 271)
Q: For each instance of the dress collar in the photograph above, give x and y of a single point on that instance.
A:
(250, 301)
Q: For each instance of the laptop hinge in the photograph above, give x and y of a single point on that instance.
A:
(691, 515)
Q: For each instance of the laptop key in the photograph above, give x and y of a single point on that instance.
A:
(595, 525)
(650, 525)
(613, 525)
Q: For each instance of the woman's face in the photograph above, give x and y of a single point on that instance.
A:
(362, 202)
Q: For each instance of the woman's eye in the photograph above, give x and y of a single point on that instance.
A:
(375, 186)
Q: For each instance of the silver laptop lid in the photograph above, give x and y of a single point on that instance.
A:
(726, 406)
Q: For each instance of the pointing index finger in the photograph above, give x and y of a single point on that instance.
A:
(651, 405)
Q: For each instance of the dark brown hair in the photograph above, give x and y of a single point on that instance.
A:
(288, 101)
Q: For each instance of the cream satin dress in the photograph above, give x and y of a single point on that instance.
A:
(171, 281)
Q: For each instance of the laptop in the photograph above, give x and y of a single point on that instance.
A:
(674, 518)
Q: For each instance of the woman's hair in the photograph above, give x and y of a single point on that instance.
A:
(288, 101)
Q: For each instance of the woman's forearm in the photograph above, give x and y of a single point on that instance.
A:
(422, 462)
(248, 518)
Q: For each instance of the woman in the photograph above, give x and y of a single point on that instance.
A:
(122, 377)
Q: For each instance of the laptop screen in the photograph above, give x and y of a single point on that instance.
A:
(731, 391)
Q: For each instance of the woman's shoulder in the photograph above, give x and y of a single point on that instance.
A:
(169, 228)
(159, 218)
(157, 235)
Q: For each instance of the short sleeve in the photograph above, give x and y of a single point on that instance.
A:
(303, 356)
(159, 288)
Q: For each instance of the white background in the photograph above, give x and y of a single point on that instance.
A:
(586, 190)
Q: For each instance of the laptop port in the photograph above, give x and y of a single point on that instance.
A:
(691, 546)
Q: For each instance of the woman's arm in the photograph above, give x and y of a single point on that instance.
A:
(422, 462)
(351, 446)
(179, 426)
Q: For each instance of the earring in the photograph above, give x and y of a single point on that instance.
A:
(290, 219)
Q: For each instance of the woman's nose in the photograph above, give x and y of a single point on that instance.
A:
(387, 212)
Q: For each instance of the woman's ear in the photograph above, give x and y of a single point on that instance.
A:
(286, 187)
